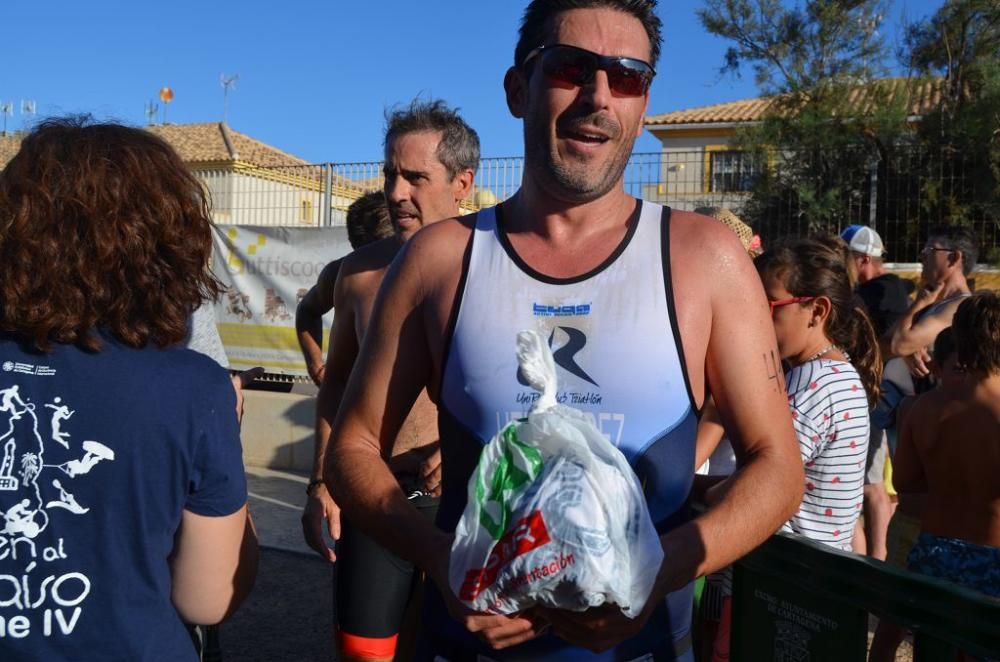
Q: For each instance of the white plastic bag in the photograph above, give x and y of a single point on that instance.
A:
(555, 514)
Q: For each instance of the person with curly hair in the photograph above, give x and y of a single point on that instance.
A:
(134, 522)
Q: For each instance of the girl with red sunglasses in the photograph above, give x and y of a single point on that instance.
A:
(833, 372)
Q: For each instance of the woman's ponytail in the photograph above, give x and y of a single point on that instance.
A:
(861, 343)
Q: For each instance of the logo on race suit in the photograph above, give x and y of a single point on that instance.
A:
(544, 310)
(565, 356)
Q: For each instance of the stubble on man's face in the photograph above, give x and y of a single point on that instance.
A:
(418, 188)
(578, 180)
(577, 146)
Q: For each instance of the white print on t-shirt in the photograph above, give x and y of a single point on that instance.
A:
(28, 369)
(35, 599)
(60, 414)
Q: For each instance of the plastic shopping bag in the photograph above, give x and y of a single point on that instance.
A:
(555, 514)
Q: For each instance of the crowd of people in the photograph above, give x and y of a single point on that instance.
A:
(799, 376)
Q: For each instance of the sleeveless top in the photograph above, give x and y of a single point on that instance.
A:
(619, 359)
(938, 306)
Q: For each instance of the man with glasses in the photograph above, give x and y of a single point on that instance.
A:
(947, 259)
(646, 310)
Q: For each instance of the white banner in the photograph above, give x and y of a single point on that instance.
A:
(267, 271)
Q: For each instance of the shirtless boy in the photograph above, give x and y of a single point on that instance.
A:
(949, 449)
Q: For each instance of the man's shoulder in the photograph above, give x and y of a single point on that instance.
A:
(328, 275)
(707, 257)
(439, 246)
(368, 263)
(702, 236)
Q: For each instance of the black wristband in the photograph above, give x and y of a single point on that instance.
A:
(313, 483)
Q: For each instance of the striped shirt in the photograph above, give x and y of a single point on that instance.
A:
(830, 417)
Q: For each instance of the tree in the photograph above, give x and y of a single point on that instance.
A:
(961, 43)
(828, 123)
(808, 49)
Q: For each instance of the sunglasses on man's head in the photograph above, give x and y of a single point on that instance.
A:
(577, 66)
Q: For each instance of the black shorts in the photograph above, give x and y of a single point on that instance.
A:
(373, 587)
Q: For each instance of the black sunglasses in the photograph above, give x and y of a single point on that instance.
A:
(577, 66)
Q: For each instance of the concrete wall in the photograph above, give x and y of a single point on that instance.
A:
(278, 430)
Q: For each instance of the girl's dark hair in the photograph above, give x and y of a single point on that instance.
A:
(977, 333)
(821, 266)
(102, 228)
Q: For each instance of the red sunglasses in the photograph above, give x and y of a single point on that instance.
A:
(787, 302)
(577, 66)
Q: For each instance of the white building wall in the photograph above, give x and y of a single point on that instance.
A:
(684, 178)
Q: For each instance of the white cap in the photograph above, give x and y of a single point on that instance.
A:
(862, 239)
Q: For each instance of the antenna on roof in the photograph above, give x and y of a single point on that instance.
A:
(7, 110)
(228, 83)
(150, 112)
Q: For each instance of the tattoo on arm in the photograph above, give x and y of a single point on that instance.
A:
(772, 364)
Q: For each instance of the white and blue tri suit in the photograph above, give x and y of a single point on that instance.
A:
(614, 336)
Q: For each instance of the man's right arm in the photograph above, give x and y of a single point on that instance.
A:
(309, 320)
(908, 336)
(393, 366)
(320, 506)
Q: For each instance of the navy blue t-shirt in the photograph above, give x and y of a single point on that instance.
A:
(99, 455)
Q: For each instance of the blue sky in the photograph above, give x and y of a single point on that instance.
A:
(315, 76)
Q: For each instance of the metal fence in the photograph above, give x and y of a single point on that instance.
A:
(901, 196)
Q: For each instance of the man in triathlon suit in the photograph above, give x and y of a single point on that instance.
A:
(431, 156)
(367, 221)
(948, 258)
(646, 310)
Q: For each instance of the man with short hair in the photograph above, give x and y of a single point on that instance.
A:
(367, 221)
(884, 293)
(948, 258)
(431, 156)
(886, 300)
(662, 308)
